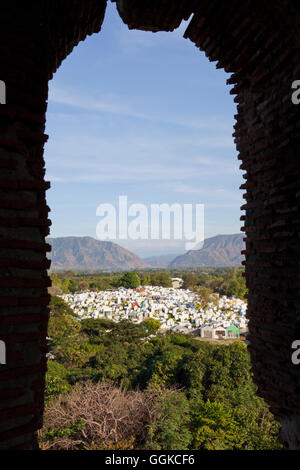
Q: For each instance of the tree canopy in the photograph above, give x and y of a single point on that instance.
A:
(202, 394)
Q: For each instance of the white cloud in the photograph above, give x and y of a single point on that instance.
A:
(114, 105)
(83, 158)
(214, 193)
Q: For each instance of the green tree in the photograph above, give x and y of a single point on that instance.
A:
(101, 284)
(190, 281)
(206, 295)
(151, 325)
(214, 428)
(130, 280)
(236, 285)
(162, 279)
(145, 279)
(63, 321)
(171, 429)
(65, 340)
(56, 380)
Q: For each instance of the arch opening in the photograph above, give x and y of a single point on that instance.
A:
(258, 45)
(167, 79)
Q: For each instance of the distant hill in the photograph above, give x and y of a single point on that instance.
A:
(221, 250)
(88, 254)
(161, 261)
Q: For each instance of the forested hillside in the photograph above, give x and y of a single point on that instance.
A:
(125, 386)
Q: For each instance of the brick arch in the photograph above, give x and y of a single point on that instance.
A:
(257, 42)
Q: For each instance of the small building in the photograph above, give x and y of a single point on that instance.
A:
(233, 332)
(220, 332)
(177, 282)
(213, 332)
(208, 332)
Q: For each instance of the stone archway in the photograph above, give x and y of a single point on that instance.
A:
(258, 43)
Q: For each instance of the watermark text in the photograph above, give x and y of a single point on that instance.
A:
(296, 354)
(2, 92)
(183, 222)
(2, 352)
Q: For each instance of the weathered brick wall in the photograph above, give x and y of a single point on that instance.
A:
(23, 227)
(258, 43)
(32, 44)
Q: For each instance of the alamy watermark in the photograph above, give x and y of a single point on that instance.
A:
(296, 93)
(183, 222)
(2, 101)
(2, 352)
(2, 92)
(296, 354)
(296, 344)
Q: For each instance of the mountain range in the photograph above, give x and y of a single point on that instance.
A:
(88, 254)
(160, 261)
(221, 250)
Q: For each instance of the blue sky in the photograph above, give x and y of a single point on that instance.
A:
(144, 115)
